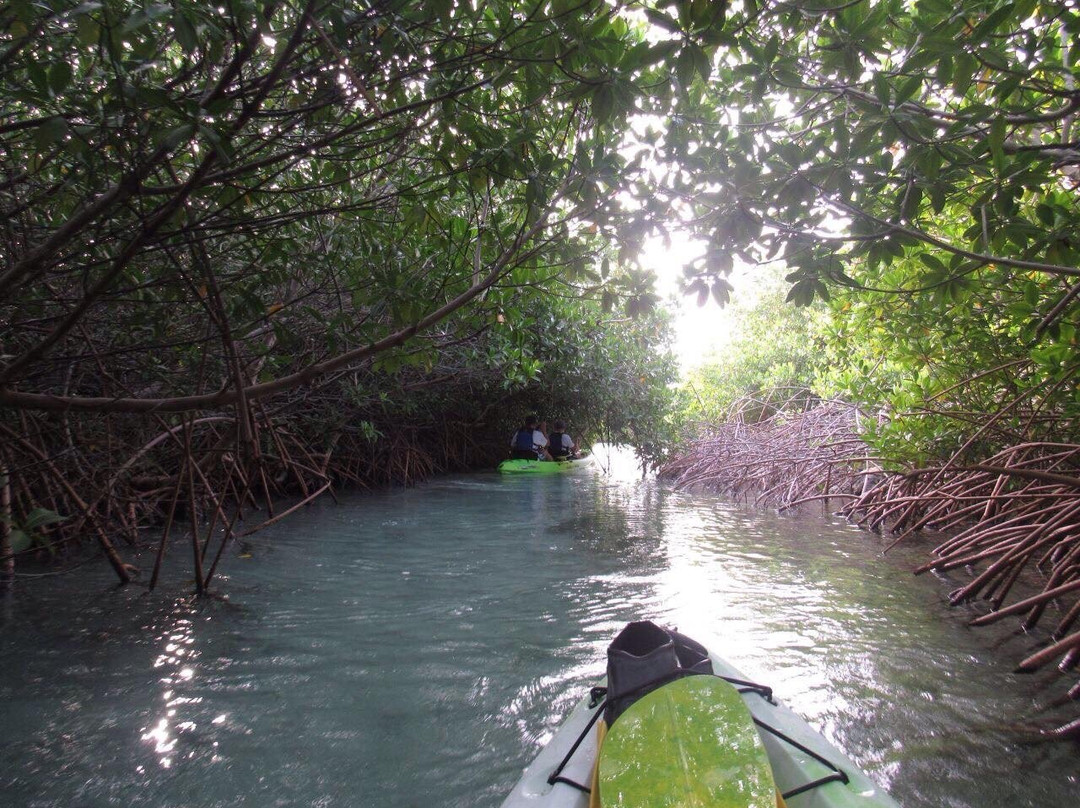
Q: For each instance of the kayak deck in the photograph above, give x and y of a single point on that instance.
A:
(795, 757)
(691, 742)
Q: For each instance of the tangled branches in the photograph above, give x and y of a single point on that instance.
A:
(115, 477)
(788, 458)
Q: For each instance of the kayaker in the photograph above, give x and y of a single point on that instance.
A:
(560, 445)
(529, 442)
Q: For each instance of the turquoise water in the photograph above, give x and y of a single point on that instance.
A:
(416, 648)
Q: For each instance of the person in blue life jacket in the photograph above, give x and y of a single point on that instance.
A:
(529, 443)
(560, 445)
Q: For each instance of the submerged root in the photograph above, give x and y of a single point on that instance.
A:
(1014, 517)
(62, 486)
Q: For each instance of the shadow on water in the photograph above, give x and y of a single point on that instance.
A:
(417, 647)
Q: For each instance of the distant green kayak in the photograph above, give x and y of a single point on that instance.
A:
(543, 466)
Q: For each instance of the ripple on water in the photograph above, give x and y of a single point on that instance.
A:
(418, 647)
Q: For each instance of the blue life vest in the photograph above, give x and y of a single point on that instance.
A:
(523, 440)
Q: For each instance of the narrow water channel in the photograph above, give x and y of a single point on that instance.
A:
(417, 647)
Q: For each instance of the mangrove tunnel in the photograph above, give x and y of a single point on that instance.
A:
(255, 254)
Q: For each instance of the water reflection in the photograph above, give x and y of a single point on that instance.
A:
(418, 647)
(174, 667)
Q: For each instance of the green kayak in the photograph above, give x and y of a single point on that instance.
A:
(690, 744)
(543, 466)
(700, 741)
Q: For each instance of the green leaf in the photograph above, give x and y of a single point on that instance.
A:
(60, 75)
(933, 262)
(603, 102)
(964, 69)
(996, 141)
(221, 146)
(881, 88)
(143, 17)
(993, 20)
(944, 70)
(802, 293)
(51, 132)
(39, 517)
(20, 541)
(908, 89)
(39, 78)
(655, 54)
(702, 63)
(703, 294)
(686, 65)
(533, 191)
(910, 199)
(721, 291)
(185, 33)
(88, 30)
(177, 135)
(440, 8)
(662, 20)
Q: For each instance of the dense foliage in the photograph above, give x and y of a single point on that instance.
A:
(220, 211)
(775, 356)
(917, 163)
(272, 244)
(611, 380)
(262, 197)
(960, 375)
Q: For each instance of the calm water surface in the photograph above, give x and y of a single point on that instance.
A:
(416, 648)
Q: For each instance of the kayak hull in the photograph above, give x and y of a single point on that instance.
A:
(791, 767)
(543, 466)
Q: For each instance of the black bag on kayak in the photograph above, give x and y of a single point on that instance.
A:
(642, 658)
